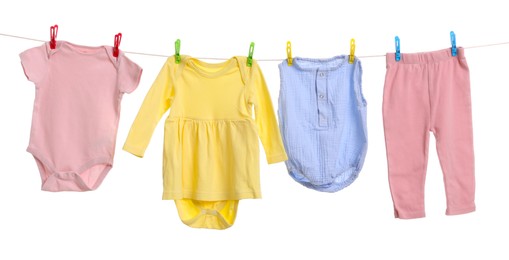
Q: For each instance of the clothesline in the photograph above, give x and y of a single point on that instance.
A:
(276, 59)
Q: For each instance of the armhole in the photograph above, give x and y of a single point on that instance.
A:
(358, 83)
(281, 76)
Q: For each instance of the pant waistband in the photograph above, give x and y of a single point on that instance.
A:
(425, 57)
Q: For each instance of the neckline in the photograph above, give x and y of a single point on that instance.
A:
(220, 68)
(82, 49)
(341, 59)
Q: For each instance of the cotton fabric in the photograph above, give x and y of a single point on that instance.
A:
(322, 115)
(76, 111)
(423, 93)
(211, 154)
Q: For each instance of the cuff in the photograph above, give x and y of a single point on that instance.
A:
(134, 150)
(275, 158)
(459, 211)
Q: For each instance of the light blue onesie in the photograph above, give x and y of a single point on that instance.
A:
(322, 116)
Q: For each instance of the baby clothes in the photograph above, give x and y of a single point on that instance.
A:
(211, 154)
(322, 116)
(76, 111)
(426, 92)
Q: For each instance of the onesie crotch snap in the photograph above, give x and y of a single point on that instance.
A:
(212, 212)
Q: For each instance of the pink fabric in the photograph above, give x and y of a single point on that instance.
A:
(423, 93)
(76, 111)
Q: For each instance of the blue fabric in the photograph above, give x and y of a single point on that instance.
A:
(322, 117)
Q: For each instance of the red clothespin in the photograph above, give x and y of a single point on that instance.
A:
(118, 38)
(53, 31)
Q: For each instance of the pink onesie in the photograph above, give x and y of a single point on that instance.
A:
(76, 111)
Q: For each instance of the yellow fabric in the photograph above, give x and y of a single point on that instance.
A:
(207, 214)
(211, 154)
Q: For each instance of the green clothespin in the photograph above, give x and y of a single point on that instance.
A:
(250, 56)
(177, 51)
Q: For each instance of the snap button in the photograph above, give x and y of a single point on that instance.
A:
(212, 212)
(321, 96)
(321, 74)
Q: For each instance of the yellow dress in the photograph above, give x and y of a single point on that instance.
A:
(211, 153)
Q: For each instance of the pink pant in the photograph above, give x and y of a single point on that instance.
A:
(428, 92)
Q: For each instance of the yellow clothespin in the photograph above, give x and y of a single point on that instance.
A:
(289, 52)
(352, 51)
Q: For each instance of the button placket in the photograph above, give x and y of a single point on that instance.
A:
(321, 88)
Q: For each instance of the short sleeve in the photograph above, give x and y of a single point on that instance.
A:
(129, 74)
(34, 62)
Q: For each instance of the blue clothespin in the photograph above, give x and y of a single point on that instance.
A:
(453, 43)
(398, 52)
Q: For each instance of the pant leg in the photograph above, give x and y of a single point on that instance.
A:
(451, 122)
(406, 115)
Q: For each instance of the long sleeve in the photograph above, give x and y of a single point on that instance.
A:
(265, 118)
(158, 100)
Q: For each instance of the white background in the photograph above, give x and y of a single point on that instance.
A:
(126, 218)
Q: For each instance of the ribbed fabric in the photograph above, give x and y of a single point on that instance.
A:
(322, 116)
